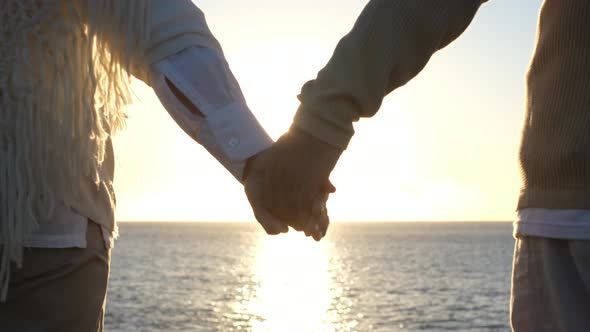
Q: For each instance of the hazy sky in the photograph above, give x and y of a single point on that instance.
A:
(444, 147)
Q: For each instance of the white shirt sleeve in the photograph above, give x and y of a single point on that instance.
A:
(227, 127)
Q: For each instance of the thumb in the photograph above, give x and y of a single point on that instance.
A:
(328, 187)
(271, 224)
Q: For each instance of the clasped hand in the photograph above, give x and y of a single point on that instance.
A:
(288, 184)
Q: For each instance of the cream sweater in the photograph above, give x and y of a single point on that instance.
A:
(175, 26)
(64, 69)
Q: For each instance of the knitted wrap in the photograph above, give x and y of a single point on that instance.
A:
(64, 78)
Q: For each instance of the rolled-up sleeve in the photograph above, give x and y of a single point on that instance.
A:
(225, 126)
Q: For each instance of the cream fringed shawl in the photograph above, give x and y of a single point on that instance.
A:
(64, 75)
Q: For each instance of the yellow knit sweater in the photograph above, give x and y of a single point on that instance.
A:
(394, 39)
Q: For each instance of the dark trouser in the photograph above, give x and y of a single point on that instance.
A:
(62, 290)
(550, 285)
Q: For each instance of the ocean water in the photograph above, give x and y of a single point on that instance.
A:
(362, 277)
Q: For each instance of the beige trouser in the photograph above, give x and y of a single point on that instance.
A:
(550, 285)
(62, 290)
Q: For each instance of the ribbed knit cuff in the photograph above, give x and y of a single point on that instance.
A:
(324, 130)
(565, 199)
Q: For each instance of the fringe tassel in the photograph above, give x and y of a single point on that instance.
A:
(64, 79)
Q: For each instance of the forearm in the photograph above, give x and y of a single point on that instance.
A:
(390, 43)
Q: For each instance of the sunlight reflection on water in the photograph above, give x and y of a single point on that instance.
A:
(294, 289)
(362, 277)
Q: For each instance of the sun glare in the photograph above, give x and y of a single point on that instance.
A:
(293, 280)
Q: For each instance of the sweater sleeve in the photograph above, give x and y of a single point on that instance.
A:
(391, 42)
(148, 31)
(175, 26)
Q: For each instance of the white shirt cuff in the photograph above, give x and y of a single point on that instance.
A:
(228, 129)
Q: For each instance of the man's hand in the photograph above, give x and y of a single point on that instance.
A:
(290, 178)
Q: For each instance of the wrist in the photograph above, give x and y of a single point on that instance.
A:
(336, 134)
(248, 166)
(326, 155)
